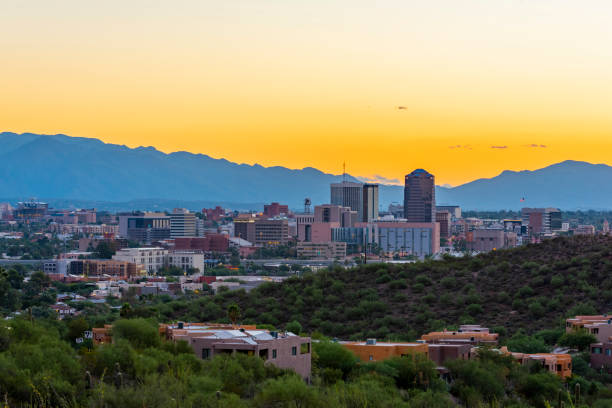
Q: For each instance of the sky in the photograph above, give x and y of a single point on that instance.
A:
(462, 88)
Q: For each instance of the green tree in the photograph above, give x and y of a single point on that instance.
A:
(233, 313)
(294, 327)
(287, 392)
(580, 340)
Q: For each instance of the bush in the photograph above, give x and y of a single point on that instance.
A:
(139, 332)
(578, 340)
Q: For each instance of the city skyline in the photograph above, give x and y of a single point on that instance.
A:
(464, 89)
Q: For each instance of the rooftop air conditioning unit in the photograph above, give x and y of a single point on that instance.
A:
(371, 342)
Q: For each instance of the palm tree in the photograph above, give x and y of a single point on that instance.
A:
(233, 312)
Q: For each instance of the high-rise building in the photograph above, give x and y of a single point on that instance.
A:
(541, 221)
(182, 223)
(420, 197)
(144, 227)
(370, 202)
(444, 219)
(348, 194)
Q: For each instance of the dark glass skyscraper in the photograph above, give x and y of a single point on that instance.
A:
(420, 197)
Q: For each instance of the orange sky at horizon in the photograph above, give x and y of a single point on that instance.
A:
(319, 83)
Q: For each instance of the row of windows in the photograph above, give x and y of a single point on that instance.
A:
(598, 350)
(304, 349)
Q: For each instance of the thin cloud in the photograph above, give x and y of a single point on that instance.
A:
(499, 147)
(536, 146)
(468, 147)
(379, 179)
(402, 107)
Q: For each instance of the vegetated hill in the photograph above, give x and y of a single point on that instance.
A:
(532, 287)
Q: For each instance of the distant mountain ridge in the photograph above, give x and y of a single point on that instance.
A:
(87, 170)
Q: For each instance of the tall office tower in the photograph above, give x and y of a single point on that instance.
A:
(420, 197)
(370, 202)
(348, 194)
(182, 223)
(541, 221)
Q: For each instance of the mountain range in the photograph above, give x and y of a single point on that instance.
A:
(85, 172)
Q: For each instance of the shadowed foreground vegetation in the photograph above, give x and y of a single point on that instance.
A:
(40, 366)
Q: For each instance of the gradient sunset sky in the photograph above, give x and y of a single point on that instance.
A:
(463, 88)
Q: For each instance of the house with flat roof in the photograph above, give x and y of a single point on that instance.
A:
(558, 364)
(282, 349)
(371, 350)
(599, 326)
(601, 355)
(467, 334)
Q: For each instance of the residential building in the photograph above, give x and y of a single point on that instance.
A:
(558, 364)
(323, 250)
(467, 334)
(408, 238)
(599, 326)
(441, 353)
(282, 349)
(151, 259)
(420, 197)
(63, 310)
(601, 356)
(144, 227)
(370, 203)
(348, 194)
(182, 223)
(275, 210)
(371, 350)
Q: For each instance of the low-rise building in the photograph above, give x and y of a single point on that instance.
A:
(282, 349)
(186, 260)
(371, 350)
(325, 250)
(599, 326)
(601, 356)
(441, 353)
(151, 259)
(467, 334)
(558, 364)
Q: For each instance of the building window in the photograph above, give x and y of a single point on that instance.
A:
(596, 350)
(304, 348)
(294, 351)
(273, 353)
(371, 358)
(608, 352)
(205, 354)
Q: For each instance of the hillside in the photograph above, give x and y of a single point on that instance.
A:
(530, 288)
(87, 172)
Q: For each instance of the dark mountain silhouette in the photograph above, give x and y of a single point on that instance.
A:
(89, 171)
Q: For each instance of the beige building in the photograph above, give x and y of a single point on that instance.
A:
(152, 259)
(324, 250)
